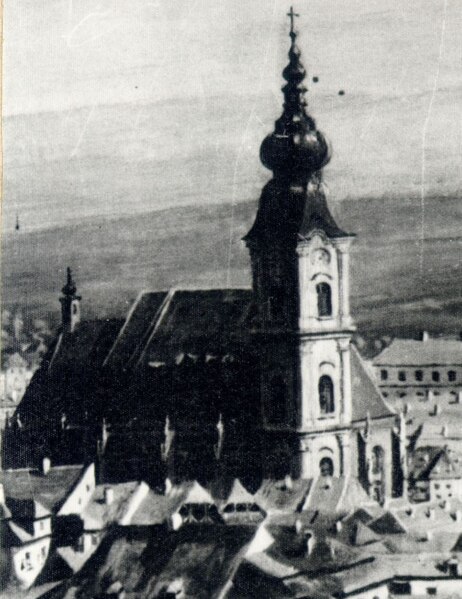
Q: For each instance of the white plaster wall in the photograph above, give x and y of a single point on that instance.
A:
(80, 495)
(29, 560)
(445, 585)
(445, 489)
(380, 592)
(324, 357)
(42, 527)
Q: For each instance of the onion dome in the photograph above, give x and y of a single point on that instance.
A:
(295, 149)
(293, 203)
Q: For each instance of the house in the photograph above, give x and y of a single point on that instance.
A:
(197, 507)
(437, 473)
(25, 537)
(241, 506)
(429, 369)
(39, 505)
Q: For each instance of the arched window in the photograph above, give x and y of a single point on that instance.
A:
(324, 299)
(326, 467)
(278, 399)
(326, 395)
(377, 459)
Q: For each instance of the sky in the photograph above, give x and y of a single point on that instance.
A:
(113, 107)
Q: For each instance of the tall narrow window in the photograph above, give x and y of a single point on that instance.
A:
(326, 395)
(324, 299)
(377, 460)
(436, 376)
(451, 376)
(419, 375)
(326, 467)
(383, 375)
(277, 408)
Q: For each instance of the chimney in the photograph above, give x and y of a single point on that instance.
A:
(431, 513)
(309, 543)
(2, 495)
(298, 526)
(445, 430)
(407, 408)
(108, 495)
(430, 395)
(45, 466)
(168, 486)
(289, 483)
(458, 516)
(424, 336)
(429, 535)
(338, 526)
(459, 396)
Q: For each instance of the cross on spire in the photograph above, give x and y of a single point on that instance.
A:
(291, 14)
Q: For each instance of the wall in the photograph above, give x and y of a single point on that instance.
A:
(444, 585)
(380, 592)
(448, 489)
(81, 494)
(29, 560)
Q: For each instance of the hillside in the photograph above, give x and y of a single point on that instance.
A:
(398, 282)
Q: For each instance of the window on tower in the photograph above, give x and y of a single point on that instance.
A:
(324, 293)
(326, 467)
(326, 395)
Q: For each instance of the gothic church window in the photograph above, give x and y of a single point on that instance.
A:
(326, 395)
(278, 399)
(326, 467)
(276, 302)
(324, 293)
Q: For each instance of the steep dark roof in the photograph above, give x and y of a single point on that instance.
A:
(204, 324)
(141, 319)
(88, 344)
(366, 397)
(49, 491)
(286, 214)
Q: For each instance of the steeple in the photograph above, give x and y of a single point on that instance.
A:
(70, 304)
(293, 203)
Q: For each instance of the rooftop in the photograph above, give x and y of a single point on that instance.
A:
(48, 490)
(432, 352)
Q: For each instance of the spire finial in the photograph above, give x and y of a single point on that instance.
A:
(69, 288)
(291, 14)
(296, 150)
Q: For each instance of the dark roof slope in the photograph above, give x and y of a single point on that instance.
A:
(140, 321)
(203, 323)
(366, 397)
(49, 490)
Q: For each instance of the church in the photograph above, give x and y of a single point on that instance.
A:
(227, 383)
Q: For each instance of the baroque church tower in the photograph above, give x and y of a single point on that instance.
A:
(300, 273)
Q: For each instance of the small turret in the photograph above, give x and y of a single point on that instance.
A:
(70, 305)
